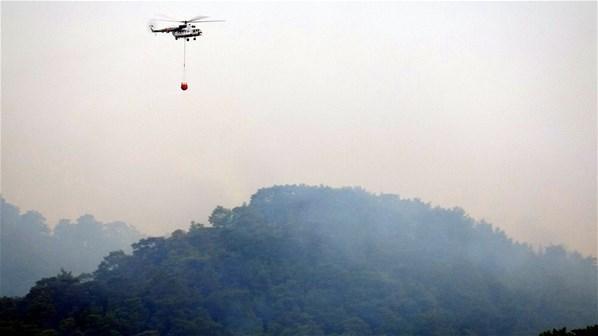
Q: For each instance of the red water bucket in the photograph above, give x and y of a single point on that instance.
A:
(184, 86)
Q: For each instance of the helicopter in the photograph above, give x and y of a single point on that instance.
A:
(186, 30)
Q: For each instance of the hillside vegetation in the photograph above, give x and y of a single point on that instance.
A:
(30, 250)
(301, 260)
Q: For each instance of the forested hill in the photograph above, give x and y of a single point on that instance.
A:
(301, 260)
(30, 250)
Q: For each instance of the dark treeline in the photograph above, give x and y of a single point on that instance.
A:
(29, 250)
(301, 260)
(588, 331)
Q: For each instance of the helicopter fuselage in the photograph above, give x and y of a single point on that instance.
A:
(186, 31)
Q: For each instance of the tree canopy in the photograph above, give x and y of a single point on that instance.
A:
(301, 260)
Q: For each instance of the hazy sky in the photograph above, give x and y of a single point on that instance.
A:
(486, 106)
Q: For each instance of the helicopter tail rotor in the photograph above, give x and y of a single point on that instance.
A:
(151, 25)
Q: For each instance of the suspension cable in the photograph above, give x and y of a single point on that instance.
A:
(184, 58)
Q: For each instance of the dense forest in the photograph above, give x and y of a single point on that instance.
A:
(301, 260)
(588, 331)
(30, 251)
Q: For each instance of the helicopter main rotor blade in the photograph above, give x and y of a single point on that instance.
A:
(197, 18)
(165, 20)
(206, 21)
